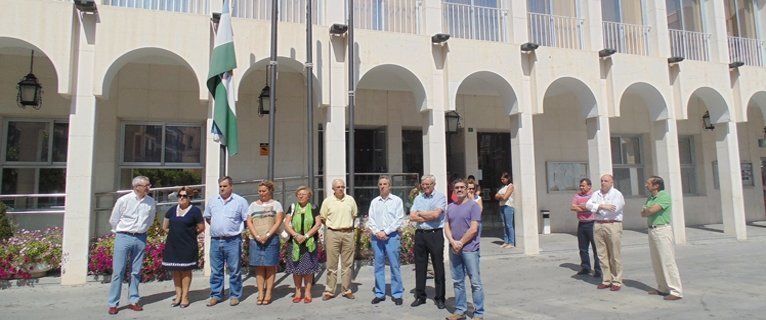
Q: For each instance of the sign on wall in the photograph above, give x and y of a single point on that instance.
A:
(565, 176)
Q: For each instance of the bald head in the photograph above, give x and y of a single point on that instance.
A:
(607, 182)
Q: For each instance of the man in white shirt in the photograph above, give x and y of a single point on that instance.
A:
(385, 217)
(607, 204)
(131, 217)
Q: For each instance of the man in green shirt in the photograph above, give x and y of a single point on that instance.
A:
(657, 212)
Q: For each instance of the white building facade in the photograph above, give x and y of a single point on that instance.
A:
(124, 93)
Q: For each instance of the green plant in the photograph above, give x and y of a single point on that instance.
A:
(28, 250)
(6, 230)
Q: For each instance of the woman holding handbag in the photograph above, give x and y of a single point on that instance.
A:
(303, 225)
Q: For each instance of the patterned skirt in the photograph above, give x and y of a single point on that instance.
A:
(307, 264)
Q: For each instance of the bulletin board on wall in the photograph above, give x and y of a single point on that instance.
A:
(564, 176)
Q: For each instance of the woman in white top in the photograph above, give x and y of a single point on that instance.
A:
(266, 215)
(506, 209)
(473, 192)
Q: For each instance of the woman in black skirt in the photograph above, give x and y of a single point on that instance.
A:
(183, 223)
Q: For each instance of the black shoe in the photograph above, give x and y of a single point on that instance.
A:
(583, 271)
(440, 304)
(597, 274)
(417, 302)
(378, 300)
(398, 301)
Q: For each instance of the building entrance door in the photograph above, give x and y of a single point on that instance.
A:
(494, 158)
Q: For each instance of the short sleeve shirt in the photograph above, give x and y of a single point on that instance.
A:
(226, 217)
(580, 200)
(662, 199)
(459, 217)
(424, 202)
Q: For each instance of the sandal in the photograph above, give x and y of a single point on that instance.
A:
(297, 299)
(259, 301)
(267, 301)
(327, 296)
(307, 300)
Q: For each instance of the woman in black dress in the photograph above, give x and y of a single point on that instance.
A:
(183, 223)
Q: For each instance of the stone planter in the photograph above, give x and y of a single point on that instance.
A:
(39, 270)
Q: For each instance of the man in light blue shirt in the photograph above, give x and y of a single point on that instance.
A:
(226, 214)
(385, 217)
(428, 212)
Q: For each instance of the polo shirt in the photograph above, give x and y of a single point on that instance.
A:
(338, 213)
(662, 198)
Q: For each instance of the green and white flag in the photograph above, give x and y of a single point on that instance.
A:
(219, 83)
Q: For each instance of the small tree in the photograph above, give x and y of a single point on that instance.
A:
(6, 231)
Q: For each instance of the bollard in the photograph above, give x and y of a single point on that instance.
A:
(546, 221)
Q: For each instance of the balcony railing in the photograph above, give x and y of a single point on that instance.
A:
(184, 6)
(746, 50)
(626, 38)
(555, 31)
(289, 10)
(690, 45)
(402, 16)
(476, 22)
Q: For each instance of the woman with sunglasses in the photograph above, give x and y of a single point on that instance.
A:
(182, 223)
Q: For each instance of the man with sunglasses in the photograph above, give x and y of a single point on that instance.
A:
(226, 214)
(131, 217)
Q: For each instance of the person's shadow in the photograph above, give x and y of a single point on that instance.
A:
(637, 284)
(582, 277)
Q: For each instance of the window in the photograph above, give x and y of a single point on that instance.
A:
(628, 165)
(34, 161)
(740, 19)
(170, 154)
(685, 15)
(622, 11)
(688, 166)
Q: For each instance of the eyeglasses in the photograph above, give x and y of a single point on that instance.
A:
(459, 187)
(184, 196)
(469, 188)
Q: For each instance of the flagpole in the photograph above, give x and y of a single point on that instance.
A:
(309, 95)
(273, 87)
(351, 129)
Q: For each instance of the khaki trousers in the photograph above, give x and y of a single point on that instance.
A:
(340, 248)
(664, 260)
(608, 244)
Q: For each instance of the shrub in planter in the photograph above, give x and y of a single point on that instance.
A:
(30, 253)
(407, 244)
(6, 229)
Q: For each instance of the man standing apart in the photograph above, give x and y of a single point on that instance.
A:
(657, 212)
(585, 228)
(226, 214)
(131, 217)
(428, 212)
(385, 217)
(607, 204)
(337, 213)
(462, 231)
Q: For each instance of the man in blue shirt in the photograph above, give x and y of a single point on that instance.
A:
(226, 214)
(428, 212)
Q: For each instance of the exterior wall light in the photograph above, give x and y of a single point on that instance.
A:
(85, 5)
(338, 29)
(529, 47)
(453, 121)
(440, 38)
(604, 53)
(30, 92)
(706, 124)
(674, 60)
(736, 64)
(264, 105)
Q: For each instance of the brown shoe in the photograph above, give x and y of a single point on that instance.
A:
(603, 286)
(135, 307)
(615, 288)
(112, 310)
(212, 302)
(671, 297)
(455, 316)
(349, 295)
(234, 302)
(656, 293)
(327, 296)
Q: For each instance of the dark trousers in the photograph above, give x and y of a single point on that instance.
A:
(429, 243)
(584, 238)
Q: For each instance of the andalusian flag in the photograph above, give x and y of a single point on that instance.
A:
(219, 82)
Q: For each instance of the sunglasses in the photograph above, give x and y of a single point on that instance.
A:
(184, 196)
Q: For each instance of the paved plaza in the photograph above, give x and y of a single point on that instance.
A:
(722, 279)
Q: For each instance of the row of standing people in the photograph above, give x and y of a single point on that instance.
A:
(228, 214)
(600, 215)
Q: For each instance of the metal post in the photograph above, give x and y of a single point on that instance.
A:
(309, 96)
(351, 147)
(273, 87)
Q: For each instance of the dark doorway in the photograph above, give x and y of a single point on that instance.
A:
(494, 158)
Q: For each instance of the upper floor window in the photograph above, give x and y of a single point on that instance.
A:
(685, 15)
(741, 19)
(555, 7)
(622, 11)
(628, 165)
(162, 143)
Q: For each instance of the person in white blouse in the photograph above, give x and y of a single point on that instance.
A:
(385, 217)
(607, 204)
(131, 217)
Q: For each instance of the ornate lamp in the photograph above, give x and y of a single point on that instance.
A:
(30, 92)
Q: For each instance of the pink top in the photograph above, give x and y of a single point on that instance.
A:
(580, 200)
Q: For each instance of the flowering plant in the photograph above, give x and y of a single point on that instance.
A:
(407, 244)
(30, 251)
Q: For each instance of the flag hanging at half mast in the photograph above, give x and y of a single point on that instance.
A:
(220, 84)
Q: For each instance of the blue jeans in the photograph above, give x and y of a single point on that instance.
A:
(507, 213)
(387, 249)
(225, 251)
(467, 263)
(126, 248)
(584, 238)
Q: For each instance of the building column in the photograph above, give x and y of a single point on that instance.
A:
(719, 49)
(659, 37)
(730, 177)
(435, 147)
(524, 181)
(668, 166)
(80, 157)
(599, 147)
(394, 139)
(335, 153)
(593, 37)
(471, 149)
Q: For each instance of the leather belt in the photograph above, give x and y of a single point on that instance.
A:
(135, 234)
(224, 237)
(349, 229)
(655, 226)
(608, 221)
(429, 230)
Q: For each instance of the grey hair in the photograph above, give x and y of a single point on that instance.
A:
(428, 177)
(337, 180)
(138, 179)
(384, 177)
